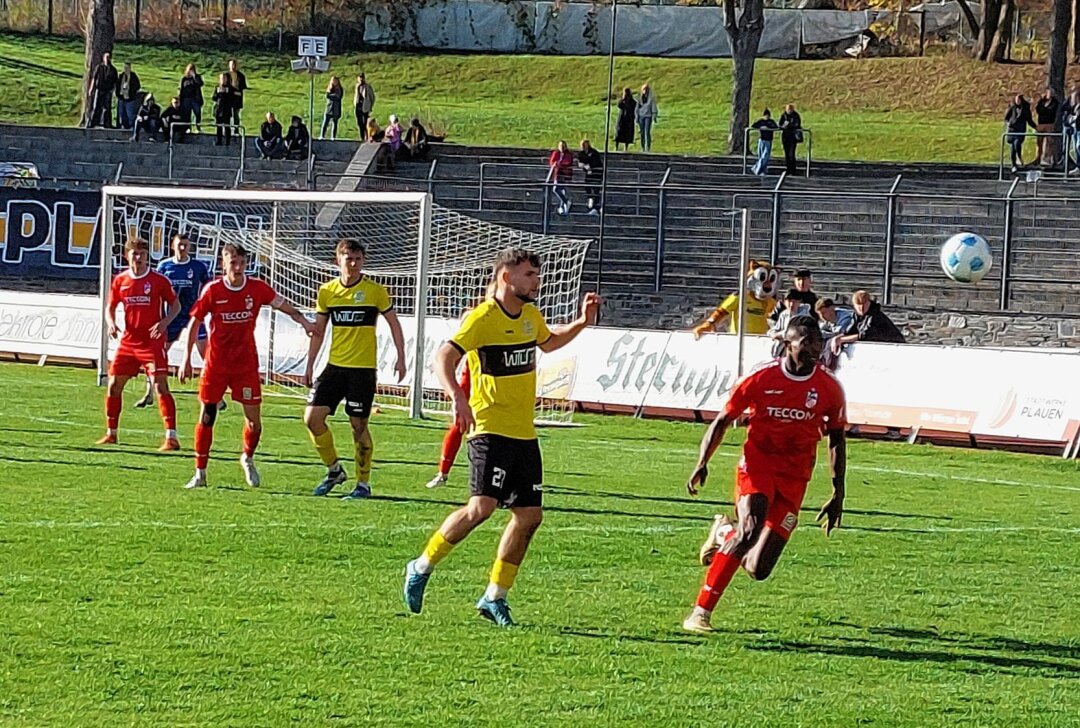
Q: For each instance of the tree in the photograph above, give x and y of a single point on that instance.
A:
(995, 30)
(973, 23)
(744, 36)
(100, 35)
(1058, 54)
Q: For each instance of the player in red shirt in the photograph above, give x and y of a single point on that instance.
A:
(232, 304)
(791, 402)
(150, 305)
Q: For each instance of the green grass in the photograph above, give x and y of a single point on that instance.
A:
(930, 109)
(125, 599)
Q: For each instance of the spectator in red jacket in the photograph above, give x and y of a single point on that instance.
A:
(561, 163)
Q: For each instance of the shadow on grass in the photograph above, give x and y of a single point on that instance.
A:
(37, 68)
(657, 640)
(57, 461)
(31, 430)
(986, 642)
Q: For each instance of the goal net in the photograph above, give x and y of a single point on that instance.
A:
(435, 263)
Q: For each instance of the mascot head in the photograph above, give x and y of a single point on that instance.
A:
(762, 279)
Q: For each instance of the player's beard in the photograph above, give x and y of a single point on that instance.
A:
(525, 297)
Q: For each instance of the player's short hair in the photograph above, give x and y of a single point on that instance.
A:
(235, 249)
(136, 244)
(350, 245)
(807, 326)
(860, 297)
(510, 257)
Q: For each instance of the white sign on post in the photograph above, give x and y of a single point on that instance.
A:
(312, 46)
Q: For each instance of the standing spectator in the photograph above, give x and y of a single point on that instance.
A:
(334, 94)
(127, 97)
(239, 84)
(270, 144)
(148, 119)
(1017, 120)
(591, 162)
(1070, 116)
(372, 130)
(802, 288)
(363, 103)
(1046, 117)
(175, 123)
(102, 87)
(224, 99)
(298, 140)
(191, 96)
(868, 324)
(393, 134)
(790, 309)
(415, 145)
(624, 126)
(791, 135)
(561, 163)
(765, 126)
(647, 113)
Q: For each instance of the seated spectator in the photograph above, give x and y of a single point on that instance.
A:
(833, 321)
(148, 119)
(792, 305)
(591, 163)
(269, 143)
(561, 163)
(374, 133)
(298, 140)
(802, 284)
(175, 121)
(415, 145)
(868, 324)
(393, 134)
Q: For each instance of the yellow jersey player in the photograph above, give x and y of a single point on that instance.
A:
(500, 337)
(353, 303)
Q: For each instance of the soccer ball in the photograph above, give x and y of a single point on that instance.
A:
(966, 257)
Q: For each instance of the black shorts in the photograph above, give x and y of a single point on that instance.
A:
(354, 385)
(508, 470)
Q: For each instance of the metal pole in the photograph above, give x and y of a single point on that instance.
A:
(744, 263)
(1006, 253)
(890, 241)
(311, 98)
(774, 240)
(416, 389)
(311, 17)
(49, 22)
(607, 141)
(225, 18)
(108, 241)
(138, 17)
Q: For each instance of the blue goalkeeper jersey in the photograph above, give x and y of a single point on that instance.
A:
(187, 280)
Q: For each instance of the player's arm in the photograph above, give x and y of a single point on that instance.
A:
(446, 361)
(709, 443)
(833, 510)
(110, 314)
(318, 334)
(161, 327)
(563, 335)
(292, 312)
(399, 341)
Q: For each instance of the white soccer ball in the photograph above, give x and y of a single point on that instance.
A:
(966, 257)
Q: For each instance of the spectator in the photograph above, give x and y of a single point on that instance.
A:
(298, 140)
(1017, 120)
(224, 99)
(791, 135)
(334, 94)
(561, 163)
(647, 113)
(791, 308)
(393, 135)
(624, 126)
(191, 95)
(174, 122)
(363, 103)
(239, 84)
(102, 87)
(416, 143)
(833, 321)
(372, 131)
(591, 162)
(269, 143)
(127, 97)
(868, 324)
(802, 285)
(1070, 116)
(1046, 118)
(765, 126)
(148, 119)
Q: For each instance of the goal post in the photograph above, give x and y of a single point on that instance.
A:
(434, 262)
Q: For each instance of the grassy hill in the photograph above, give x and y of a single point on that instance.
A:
(943, 108)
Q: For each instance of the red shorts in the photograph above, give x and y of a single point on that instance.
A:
(246, 387)
(131, 359)
(785, 497)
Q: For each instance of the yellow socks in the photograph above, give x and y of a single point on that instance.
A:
(324, 445)
(503, 574)
(437, 549)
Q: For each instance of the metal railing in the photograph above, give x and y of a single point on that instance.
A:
(658, 278)
(232, 127)
(808, 140)
(1069, 139)
(529, 180)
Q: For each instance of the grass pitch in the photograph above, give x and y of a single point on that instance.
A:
(948, 598)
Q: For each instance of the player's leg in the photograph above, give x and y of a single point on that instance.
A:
(167, 407)
(200, 346)
(752, 509)
(451, 441)
(252, 433)
(148, 395)
(780, 522)
(211, 389)
(323, 439)
(363, 449)
(118, 378)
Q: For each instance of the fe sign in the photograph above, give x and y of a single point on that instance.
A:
(312, 46)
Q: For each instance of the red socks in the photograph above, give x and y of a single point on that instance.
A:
(167, 405)
(113, 405)
(204, 438)
(251, 440)
(450, 446)
(720, 573)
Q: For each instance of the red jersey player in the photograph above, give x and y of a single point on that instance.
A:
(232, 303)
(791, 402)
(150, 305)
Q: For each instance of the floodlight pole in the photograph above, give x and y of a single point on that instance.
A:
(607, 142)
(744, 263)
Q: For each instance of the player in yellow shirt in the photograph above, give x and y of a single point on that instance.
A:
(500, 337)
(352, 303)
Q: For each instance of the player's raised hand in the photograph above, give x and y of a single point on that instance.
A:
(185, 371)
(399, 369)
(590, 306)
(832, 513)
(697, 479)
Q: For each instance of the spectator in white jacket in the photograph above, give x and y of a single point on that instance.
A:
(647, 113)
